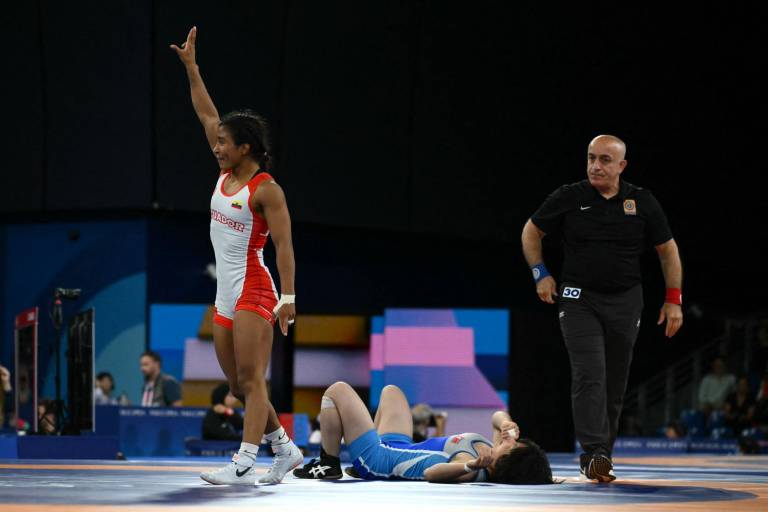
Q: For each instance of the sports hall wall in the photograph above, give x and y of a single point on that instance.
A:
(107, 260)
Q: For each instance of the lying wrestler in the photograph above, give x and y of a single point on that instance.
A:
(383, 449)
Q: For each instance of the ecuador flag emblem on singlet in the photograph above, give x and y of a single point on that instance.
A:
(237, 204)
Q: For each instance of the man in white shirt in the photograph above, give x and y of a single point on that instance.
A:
(715, 386)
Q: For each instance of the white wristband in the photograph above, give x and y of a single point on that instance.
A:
(284, 299)
(468, 469)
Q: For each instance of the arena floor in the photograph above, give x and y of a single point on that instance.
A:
(645, 483)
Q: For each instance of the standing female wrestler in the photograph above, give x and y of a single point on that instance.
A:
(247, 205)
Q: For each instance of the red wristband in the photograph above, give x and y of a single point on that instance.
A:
(674, 296)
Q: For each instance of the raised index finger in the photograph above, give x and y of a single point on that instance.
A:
(192, 35)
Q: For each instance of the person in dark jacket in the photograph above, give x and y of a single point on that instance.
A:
(222, 422)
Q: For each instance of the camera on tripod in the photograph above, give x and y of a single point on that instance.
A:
(67, 293)
(79, 414)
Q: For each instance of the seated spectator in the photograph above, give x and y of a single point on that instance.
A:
(762, 391)
(160, 389)
(46, 412)
(222, 422)
(425, 418)
(761, 407)
(102, 393)
(760, 354)
(675, 430)
(715, 387)
(5, 389)
(739, 407)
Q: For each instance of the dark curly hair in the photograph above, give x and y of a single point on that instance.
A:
(525, 465)
(152, 355)
(248, 127)
(219, 393)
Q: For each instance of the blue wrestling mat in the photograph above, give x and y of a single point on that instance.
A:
(680, 482)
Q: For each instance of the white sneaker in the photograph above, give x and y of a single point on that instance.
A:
(282, 463)
(231, 474)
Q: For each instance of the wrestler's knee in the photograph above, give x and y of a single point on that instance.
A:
(338, 389)
(392, 389)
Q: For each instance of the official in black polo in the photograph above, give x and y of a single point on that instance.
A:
(604, 224)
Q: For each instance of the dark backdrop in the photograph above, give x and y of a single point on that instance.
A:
(413, 140)
(418, 116)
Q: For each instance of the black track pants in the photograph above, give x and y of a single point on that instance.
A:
(599, 330)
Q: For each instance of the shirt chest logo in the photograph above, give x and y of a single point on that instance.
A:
(237, 205)
(630, 207)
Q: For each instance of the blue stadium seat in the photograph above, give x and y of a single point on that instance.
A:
(752, 433)
(694, 420)
(722, 433)
(716, 420)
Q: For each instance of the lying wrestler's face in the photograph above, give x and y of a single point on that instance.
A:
(505, 446)
(502, 448)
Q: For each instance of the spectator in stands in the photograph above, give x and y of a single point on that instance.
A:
(760, 354)
(102, 393)
(762, 391)
(715, 387)
(425, 418)
(761, 407)
(739, 407)
(46, 412)
(160, 389)
(5, 394)
(675, 430)
(222, 422)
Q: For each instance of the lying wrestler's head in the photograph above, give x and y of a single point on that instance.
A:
(519, 462)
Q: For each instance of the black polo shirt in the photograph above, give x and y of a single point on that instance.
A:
(603, 239)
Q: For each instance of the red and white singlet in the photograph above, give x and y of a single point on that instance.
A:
(238, 235)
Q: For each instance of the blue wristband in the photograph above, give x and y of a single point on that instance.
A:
(539, 272)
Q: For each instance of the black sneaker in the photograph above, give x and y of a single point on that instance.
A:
(600, 468)
(584, 460)
(351, 471)
(325, 467)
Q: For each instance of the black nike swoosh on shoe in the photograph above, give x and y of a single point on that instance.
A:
(239, 473)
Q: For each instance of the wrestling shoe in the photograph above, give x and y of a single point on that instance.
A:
(599, 467)
(233, 473)
(287, 457)
(351, 471)
(325, 467)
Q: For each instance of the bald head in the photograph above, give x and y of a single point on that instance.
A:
(610, 140)
(605, 163)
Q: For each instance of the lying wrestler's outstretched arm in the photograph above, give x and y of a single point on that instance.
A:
(462, 470)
